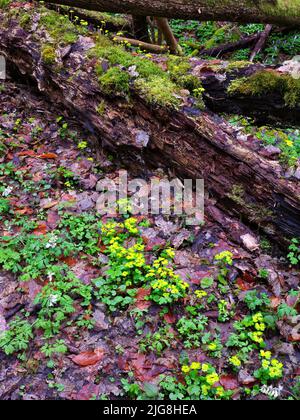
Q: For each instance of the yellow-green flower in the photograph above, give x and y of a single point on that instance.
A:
(200, 294)
(195, 366)
(235, 361)
(185, 369)
(212, 347)
(205, 367)
(212, 379)
(266, 354)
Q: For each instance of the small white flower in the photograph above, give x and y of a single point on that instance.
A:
(53, 299)
(7, 191)
(52, 242)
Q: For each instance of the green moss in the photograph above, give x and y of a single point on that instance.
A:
(158, 91)
(25, 20)
(4, 3)
(237, 194)
(48, 54)
(179, 69)
(152, 81)
(237, 65)
(264, 82)
(59, 27)
(225, 34)
(115, 80)
(101, 108)
(256, 213)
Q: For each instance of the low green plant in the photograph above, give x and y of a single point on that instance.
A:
(270, 370)
(294, 252)
(157, 342)
(201, 382)
(249, 334)
(255, 300)
(191, 330)
(285, 310)
(17, 338)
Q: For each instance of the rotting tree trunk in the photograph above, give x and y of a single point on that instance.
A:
(222, 49)
(194, 144)
(164, 27)
(281, 12)
(97, 20)
(268, 107)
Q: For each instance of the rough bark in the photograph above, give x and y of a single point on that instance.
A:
(194, 144)
(216, 77)
(261, 42)
(282, 12)
(165, 29)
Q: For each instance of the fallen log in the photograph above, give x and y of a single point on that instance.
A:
(281, 12)
(97, 19)
(261, 42)
(194, 143)
(268, 94)
(230, 47)
(145, 46)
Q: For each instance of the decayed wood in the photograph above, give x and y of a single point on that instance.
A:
(216, 77)
(222, 49)
(195, 144)
(281, 12)
(165, 29)
(261, 42)
(155, 49)
(123, 24)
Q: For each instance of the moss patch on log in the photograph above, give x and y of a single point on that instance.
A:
(268, 82)
(156, 85)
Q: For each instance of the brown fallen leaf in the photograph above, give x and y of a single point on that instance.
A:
(229, 382)
(89, 358)
(40, 230)
(141, 302)
(48, 156)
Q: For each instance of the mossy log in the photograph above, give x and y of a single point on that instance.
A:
(100, 20)
(267, 94)
(191, 142)
(282, 12)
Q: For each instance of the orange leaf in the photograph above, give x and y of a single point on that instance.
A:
(30, 153)
(40, 230)
(48, 156)
(89, 358)
(141, 302)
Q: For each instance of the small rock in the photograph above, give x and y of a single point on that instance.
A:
(100, 322)
(271, 151)
(297, 174)
(250, 242)
(142, 139)
(245, 378)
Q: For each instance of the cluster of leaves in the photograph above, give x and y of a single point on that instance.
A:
(294, 252)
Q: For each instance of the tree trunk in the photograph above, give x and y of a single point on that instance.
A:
(140, 28)
(269, 106)
(165, 29)
(282, 12)
(195, 144)
(261, 42)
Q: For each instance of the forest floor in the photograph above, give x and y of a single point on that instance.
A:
(72, 346)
